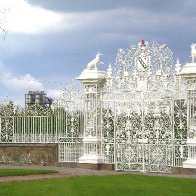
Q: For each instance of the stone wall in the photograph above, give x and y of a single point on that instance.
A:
(29, 154)
(181, 170)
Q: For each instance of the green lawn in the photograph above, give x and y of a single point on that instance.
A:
(23, 172)
(103, 185)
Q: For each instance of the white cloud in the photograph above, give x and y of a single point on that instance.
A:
(1, 65)
(25, 18)
(53, 93)
(26, 82)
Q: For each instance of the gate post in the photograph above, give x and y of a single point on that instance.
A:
(189, 74)
(93, 81)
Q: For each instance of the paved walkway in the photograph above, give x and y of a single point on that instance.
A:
(65, 172)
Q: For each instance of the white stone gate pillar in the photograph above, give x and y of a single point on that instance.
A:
(189, 73)
(93, 81)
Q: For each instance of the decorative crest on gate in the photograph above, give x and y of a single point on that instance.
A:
(145, 67)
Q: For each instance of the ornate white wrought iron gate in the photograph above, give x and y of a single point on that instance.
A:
(144, 116)
(145, 136)
(135, 118)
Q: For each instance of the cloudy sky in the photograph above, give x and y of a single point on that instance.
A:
(49, 42)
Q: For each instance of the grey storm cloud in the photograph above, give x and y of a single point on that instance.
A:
(93, 5)
(153, 17)
(105, 26)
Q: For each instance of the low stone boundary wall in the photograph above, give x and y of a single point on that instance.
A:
(29, 154)
(42, 155)
(181, 170)
(99, 166)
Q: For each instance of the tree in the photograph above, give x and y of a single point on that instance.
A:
(4, 9)
(8, 108)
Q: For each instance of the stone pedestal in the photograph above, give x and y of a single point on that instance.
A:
(92, 151)
(93, 81)
(189, 73)
(191, 161)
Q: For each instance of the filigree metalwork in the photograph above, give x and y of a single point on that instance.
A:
(180, 119)
(143, 86)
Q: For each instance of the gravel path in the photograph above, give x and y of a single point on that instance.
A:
(31, 177)
(65, 172)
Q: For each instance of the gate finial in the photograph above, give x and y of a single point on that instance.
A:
(142, 42)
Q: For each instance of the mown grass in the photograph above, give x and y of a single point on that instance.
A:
(23, 172)
(103, 185)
